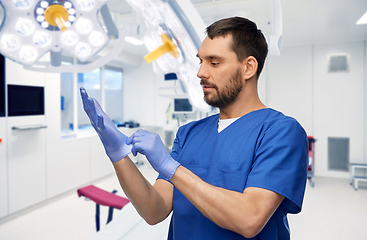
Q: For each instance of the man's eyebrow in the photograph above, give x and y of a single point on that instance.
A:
(210, 56)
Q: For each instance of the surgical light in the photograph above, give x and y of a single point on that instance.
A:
(85, 5)
(44, 4)
(28, 53)
(42, 39)
(25, 26)
(67, 5)
(32, 28)
(10, 42)
(96, 38)
(69, 38)
(23, 4)
(83, 26)
(83, 50)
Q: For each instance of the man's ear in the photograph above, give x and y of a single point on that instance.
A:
(249, 67)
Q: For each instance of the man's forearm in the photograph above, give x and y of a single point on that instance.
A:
(148, 201)
(245, 213)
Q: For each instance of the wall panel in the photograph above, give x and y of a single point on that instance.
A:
(290, 84)
(339, 103)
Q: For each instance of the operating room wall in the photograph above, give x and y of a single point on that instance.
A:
(326, 104)
(141, 100)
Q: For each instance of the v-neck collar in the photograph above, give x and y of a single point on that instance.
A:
(247, 121)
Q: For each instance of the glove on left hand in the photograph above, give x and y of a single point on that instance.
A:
(151, 145)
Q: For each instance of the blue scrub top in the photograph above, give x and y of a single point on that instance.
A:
(262, 149)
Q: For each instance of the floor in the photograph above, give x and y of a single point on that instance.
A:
(332, 210)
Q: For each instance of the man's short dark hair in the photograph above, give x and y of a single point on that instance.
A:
(248, 40)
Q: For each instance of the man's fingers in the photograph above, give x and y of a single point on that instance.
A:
(135, 137)
(137, 148)
(100, 121)
(83, 93)
(134, 151)
(85, 97)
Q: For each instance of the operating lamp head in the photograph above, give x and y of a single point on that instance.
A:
(31, 29)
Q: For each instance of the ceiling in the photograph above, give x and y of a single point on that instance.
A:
(304, 21)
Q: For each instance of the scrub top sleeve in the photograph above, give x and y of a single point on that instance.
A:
(280, 163)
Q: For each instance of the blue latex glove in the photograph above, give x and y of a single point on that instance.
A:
(112, 139)
(151, 145)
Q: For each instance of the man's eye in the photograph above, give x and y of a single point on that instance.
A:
(214, 64)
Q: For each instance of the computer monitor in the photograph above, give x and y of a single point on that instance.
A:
(182, 105)
(2, 86)
(25, 100)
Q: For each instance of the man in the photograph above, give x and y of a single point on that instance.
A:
(234, 175)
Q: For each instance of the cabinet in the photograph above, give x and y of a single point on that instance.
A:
(354, 179)
(26, 162)
(3, 170)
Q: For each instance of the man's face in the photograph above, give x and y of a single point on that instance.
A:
(220, 71)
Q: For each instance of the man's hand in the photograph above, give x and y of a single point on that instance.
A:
(151, 145)
(112, 139)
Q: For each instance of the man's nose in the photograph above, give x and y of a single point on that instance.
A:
(202, 73)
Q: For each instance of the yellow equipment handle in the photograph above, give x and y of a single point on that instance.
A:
(57, 15)
(167, 47)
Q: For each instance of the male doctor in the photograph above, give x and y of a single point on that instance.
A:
(234, 175)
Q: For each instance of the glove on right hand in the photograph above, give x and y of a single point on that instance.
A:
(112, 139)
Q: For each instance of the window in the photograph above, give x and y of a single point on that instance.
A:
(67, 102)
(104, 84)
(91, 81)
(114, 95)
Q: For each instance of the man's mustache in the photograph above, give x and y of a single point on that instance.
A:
(207, 83)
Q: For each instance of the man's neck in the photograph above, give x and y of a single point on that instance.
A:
(247, 101)
(241, 106)
(225, 114)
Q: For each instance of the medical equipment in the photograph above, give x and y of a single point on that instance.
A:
(355, 179)
(182, 106)
(311, 164)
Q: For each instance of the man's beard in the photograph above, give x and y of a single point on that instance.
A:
(226, 96)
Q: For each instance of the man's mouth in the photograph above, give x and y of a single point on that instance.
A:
(206, 86)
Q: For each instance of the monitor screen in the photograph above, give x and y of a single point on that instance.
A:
(25, 100)
(2, 86)
(182, 105)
